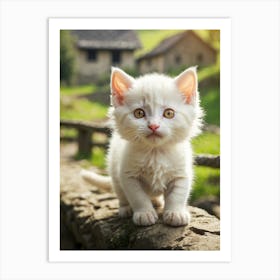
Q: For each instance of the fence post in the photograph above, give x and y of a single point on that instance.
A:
(84, 141)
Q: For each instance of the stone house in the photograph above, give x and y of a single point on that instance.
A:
(98, 50)
(185, 48)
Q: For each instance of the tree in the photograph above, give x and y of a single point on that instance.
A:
(214, 38)
(67, 57)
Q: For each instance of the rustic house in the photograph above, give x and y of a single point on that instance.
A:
(98, 50)
(185, 48)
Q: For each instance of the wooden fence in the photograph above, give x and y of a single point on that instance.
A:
(85, 140)
(85, 132)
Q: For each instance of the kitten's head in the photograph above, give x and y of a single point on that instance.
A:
(155, 109)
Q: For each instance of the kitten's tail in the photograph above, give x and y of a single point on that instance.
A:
(102, 182)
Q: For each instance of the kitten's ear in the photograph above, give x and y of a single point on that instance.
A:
(120, 83)
(186, 83)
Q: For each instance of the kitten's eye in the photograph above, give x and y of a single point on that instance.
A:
(169, 113)
(139, 113)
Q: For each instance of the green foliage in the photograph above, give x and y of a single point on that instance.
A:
(208, 72)
(206, 143)
(103, 80)
(210, 102)
(67, 57)
(132, 72)
(206, 182)
(78, 90)
(210, 36)
(173, 72)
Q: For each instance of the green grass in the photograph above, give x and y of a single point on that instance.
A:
(77, 90)
(98, 157)
(81, 109)
(206, 182)
(207, 143)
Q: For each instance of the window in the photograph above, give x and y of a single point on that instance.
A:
(92, 55)
(178, 59)
(199, 58)
(116, 56)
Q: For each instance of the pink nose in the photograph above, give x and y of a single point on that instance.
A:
(153, 127)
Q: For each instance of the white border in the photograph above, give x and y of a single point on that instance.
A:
(55, 254)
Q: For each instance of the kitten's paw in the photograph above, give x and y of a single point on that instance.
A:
(125, 211)
(176, 218)
(145, 218)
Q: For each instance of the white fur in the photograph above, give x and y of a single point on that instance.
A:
(142, 167)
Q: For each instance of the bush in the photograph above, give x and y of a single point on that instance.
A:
(67, 58)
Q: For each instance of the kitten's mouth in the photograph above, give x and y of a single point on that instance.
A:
(154, 135)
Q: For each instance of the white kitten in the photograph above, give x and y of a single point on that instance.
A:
(150, 156)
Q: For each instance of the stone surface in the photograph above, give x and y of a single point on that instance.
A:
(90, 218)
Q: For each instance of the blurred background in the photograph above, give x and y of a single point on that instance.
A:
(86, 57)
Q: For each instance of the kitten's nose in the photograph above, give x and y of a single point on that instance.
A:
(153, 127)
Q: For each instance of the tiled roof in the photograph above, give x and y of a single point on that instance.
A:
(107, 39)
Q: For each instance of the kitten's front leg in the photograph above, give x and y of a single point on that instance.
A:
(125, 210)
(175, 210)
(143, 212)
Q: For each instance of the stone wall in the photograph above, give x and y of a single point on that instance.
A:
(90, 71)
